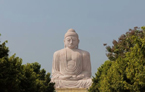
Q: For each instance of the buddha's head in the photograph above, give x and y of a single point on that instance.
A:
(71, 39)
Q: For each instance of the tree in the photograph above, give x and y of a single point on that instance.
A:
(127, 70)
(3, 49)
(35, 79)
(42, 79)
(9, 70)
(124, 43)
(15, 77)
(100, 75)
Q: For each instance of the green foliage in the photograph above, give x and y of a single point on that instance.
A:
(124, 43)
(42, 81)
(3, 50)
(15, 77)
(127, 72)
(10, 72)
(100, 75)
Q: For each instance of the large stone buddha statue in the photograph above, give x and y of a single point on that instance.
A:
(71, 66)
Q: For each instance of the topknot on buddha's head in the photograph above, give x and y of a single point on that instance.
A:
(71, 32)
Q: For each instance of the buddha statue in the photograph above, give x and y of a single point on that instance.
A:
(71, 66)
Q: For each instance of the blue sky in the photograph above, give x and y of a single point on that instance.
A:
(35, 28)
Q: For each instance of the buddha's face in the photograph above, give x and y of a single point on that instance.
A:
(71, 42)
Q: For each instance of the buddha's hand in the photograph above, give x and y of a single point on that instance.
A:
(65, 77)
(74, 76)
(81, 76)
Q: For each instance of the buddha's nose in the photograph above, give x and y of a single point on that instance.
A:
(71, 41)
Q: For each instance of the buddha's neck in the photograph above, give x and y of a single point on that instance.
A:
(70, 48)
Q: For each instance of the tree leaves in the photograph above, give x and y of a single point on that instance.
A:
(125, 69)
(15, 77)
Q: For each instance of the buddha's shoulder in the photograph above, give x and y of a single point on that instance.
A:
(84, 52)
(59, 52)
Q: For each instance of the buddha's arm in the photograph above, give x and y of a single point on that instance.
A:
(86, 65)
(65, 77)
(55, 66)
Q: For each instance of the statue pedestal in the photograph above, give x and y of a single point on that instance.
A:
(71, 90)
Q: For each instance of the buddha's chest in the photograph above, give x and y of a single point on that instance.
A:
(71, 62)
(73, 56)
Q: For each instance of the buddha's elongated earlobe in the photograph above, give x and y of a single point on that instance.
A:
(64, 46)
(77, 47)
(78, 44)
